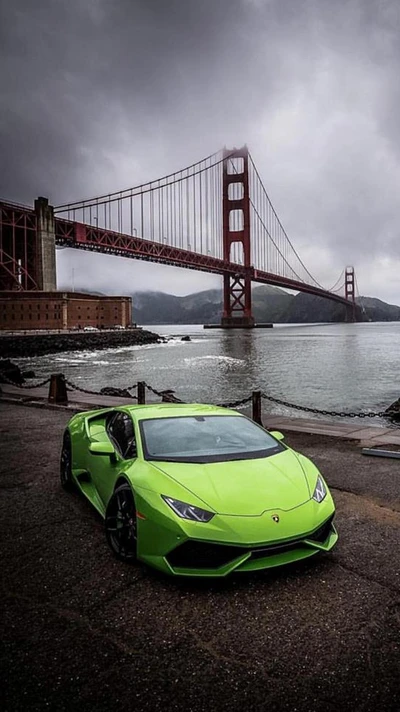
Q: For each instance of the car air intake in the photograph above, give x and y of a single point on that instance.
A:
(323, 532)
(203, 555)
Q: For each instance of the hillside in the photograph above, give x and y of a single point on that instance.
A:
(270, 304)
(379, 311)
(306, 308)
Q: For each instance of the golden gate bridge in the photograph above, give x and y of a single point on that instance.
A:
(214, 216)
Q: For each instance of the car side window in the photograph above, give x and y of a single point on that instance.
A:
(121, 432)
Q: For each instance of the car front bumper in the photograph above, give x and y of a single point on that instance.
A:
(233, 543)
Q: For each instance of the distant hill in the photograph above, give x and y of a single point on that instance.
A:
(306, 308)
(377, 310)
(270, 304)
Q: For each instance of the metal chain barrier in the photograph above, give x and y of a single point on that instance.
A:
(235, 404)
(89, 392)
(168, 396)
(26, 386)
(74, 387)
(317, 411)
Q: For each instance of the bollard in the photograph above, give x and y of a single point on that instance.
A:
(256, 407)
(141, 393)
(58, 389)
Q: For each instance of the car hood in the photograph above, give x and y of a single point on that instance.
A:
(243, 487)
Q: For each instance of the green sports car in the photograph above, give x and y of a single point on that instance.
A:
(197, 490)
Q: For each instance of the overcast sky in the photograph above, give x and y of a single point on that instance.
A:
(98, 95)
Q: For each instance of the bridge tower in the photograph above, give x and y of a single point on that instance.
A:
(27, 247)
(237, 312)
(350, 294)
(46, 256)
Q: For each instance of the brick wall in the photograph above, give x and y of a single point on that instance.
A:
(62, 310)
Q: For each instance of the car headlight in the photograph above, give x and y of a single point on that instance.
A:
(320, 491)
(188, 511)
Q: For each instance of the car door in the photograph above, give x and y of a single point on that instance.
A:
(121, 432)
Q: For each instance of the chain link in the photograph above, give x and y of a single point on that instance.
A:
(317, 411)
(74, 387)
(26, 386)
(152, 390)
(167, 396)
(235, 404)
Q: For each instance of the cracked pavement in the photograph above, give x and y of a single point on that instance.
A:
(81, 630)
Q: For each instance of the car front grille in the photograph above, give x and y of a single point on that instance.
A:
(274, 549)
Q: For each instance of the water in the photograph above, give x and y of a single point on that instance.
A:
(331, 366)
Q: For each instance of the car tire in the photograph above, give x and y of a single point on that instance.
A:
(66, 479)
(121, 524)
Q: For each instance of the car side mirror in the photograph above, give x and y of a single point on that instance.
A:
(102, 448)
(276, 434)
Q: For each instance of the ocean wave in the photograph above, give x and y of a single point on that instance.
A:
(220, 359)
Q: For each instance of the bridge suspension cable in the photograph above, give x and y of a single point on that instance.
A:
(184, 210)
(268, 233)
(364, 311)
(339, 284)
(168, 179)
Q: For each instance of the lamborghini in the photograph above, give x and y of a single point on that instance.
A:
(197, 490)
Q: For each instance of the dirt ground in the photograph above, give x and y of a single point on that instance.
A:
(81, 631)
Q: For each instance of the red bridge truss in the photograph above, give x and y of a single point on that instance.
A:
(214, 216)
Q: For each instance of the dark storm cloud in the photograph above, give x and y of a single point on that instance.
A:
(102, 94)
(76, 75)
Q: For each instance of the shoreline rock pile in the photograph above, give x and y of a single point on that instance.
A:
(20, 346)
(393, 412)
(13, 372)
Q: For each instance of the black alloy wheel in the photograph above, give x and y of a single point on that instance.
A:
(66, 463)
(121, 524)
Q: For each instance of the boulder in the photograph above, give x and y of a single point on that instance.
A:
(168, 396)
(118, 392)
(28, 374)
(393, 411)
(186, 338)
(11, 371)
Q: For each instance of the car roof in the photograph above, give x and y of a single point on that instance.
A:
(175, 410)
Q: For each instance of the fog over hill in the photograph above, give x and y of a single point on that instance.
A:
(270, 304)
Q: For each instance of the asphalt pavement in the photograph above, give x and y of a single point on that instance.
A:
(82, 631)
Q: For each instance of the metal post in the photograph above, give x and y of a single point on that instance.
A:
(256, 407)
(141, 393)
(58, 389)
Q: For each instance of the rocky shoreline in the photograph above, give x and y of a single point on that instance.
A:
(20, 346)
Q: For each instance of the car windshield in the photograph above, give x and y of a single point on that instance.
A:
(206, 438)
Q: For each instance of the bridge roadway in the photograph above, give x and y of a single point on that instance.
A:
(83, 631)
(86, 237)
